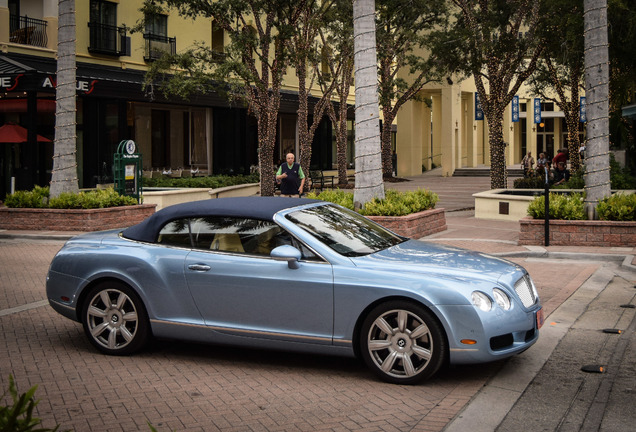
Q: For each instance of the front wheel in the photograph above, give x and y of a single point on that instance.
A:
(402, 342)
(114, 319)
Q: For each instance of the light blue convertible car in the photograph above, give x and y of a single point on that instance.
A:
(294, 274)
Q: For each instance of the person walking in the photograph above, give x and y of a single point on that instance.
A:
(291, 176)
(527, 163)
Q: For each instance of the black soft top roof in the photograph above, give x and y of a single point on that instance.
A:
(262, 208)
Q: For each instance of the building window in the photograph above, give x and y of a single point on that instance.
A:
(157, 25)
(218, 36)
(156, 35)
(105, 36)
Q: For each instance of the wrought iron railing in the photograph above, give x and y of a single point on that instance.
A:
(107, 39)
(157, 45)
(27, 31)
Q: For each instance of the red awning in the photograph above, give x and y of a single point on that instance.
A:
(13, 133)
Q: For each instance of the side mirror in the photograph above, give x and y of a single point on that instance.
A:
(288, 253)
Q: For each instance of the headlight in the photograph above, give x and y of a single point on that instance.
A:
(481, 301)
(501, 298)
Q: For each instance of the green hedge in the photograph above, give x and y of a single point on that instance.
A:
(39, 198)
(211, 182)
(618, 207)
(562, 206)
(394, 204)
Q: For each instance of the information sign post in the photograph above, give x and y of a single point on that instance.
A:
(127, 170)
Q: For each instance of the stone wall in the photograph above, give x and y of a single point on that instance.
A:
(72, 219)
(416, 225)
(578, 233)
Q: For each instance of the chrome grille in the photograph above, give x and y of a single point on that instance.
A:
(525, 291)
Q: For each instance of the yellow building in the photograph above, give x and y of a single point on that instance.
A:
(204, 133)
(451, 134)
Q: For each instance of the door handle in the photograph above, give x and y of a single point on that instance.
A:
(199, 267)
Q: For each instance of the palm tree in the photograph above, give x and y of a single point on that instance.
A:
(368, 154)
(64, 174)
(597, 168)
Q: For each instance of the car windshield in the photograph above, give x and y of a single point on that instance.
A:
(344, 231)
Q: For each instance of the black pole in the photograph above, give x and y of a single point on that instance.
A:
(546, 193)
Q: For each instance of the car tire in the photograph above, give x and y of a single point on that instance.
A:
(402, 343)
(114, 319)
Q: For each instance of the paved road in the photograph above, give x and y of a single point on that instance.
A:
(177, 386)
(190, 387)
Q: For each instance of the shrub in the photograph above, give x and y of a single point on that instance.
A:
(336, 196)
(211, 182)
(620, 177)
(529, 183)
(618, 207)
(91, 200)
(18, 417)
(39, 198)
(562, 206)
(394, 204)
(36, 198)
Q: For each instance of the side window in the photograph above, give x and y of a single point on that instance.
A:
(176, 233)
(249, 236)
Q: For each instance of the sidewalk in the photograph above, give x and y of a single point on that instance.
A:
(581, 290)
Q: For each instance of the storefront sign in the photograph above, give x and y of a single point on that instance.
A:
(582, 110)
(479, 112)
(537, 110)
(9, 83)
(83, 86)
(515, 109)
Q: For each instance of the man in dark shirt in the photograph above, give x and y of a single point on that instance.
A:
(291, 177)
(561, 174)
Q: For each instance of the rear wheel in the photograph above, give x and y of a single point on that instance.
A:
(402, 342)
(115, 320)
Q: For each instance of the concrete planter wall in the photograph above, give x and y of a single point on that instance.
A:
(73, 220)
(578, 233)
(416, 225)
(164, 197)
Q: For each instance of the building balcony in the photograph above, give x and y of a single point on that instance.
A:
(107, 39)
(157, 45)
(27, 31)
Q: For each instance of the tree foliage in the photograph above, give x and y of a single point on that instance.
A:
(335, 71)
(251, 68)
(495, 42)
(404, 31)
(559, 74)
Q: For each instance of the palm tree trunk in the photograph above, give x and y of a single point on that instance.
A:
(368, 152)
(64, 174)
(597, 174)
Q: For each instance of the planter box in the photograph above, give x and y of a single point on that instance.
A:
(416, 225)
(73, 220)
(164, 197)
(578, 233)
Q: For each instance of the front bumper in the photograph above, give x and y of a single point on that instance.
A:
(496, 334)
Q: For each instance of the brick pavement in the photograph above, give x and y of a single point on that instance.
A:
(190, 387)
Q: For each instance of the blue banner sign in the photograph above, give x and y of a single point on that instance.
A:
(582, 111)
(537, 110)
(479, 112)
(515, 109)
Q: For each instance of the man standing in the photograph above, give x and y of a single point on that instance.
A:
(291, 177)
(561, 174)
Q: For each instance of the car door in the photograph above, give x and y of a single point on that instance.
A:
(240, 290)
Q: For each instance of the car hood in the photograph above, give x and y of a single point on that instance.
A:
(424, 257)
